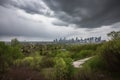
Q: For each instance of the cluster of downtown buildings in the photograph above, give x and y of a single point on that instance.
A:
(66, 41)
(79, 40)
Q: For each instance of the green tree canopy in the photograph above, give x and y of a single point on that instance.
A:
(114, 35)
(15, 42)
(7, 55)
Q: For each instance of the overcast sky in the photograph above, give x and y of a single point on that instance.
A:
(39, 20)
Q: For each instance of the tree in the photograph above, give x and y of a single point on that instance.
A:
(15, 42)
(114, 35)
(60, 69)
(7, 55)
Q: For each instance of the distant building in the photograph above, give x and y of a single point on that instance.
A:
(79, 41)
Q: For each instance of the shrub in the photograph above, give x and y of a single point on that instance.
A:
(78, 48)
(95, 63)
(108, 57)
(7, 55)
(24, 62)
(23, 73)
(63, 54)
(110, 53)
(83, 54)
(70, 68)
(60, 69)
(48, 73)
(31, 62)
(47, 62)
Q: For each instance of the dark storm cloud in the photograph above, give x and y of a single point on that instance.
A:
(86, 13)
(2, 2)
(30, 6)
(82, 13)
(60, 23)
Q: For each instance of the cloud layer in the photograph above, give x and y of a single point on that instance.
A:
(49, 19)
(86, 13)
(83, 13)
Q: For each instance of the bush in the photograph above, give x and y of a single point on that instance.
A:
(48, 73)
(70, 68)
(83, 54)
(31, 62)
(63, 54)
(23, 73)
(95, 63)
(60, 69)
(7, 55)
(78, 48)
(47, 62)
(110, 52)
(108, 57)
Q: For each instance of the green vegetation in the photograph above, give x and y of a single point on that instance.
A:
(7, 56)
(105, 65)
(114, 35)
(54, 61)
(82, 51)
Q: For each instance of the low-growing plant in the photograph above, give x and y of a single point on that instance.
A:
(60, 69)
(110, 53)
(83, 54)
(31, 62)
(95, 63)
(47, 62)
(7, 55)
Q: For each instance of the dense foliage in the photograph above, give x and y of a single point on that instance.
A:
(7, 55)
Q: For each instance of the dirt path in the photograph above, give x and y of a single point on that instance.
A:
(78, 63)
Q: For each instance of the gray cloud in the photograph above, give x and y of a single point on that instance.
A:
(60, 23)
(12, 25)
(30, 6)
(87, 13)
(83, 13)
(32, 19)
(2, 2)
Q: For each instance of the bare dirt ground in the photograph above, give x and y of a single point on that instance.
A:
(78, 63)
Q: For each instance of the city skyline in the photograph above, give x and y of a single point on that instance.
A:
(79, 40)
